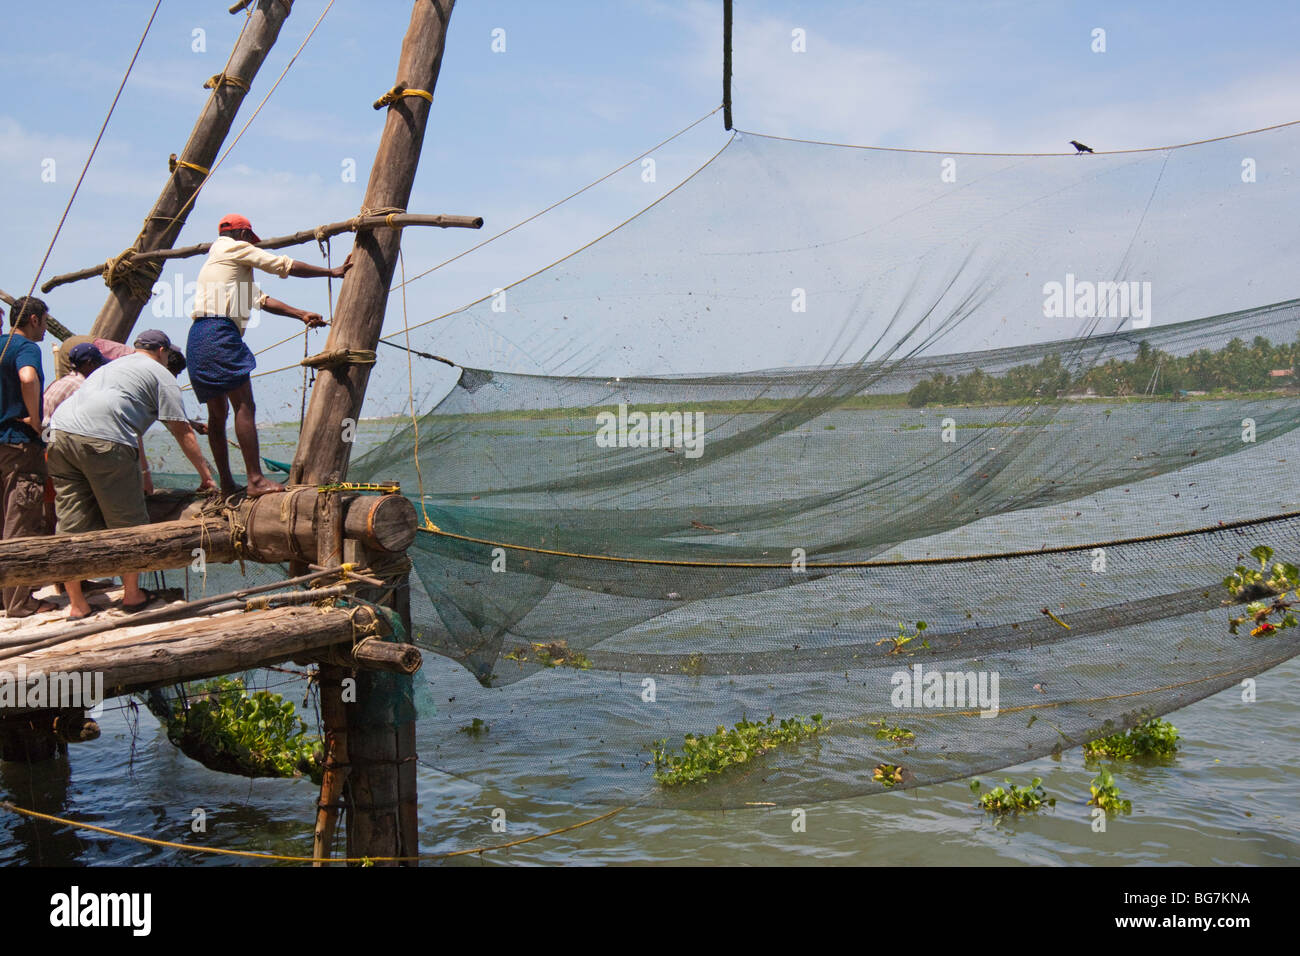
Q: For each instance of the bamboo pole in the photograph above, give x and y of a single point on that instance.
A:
(396, 221)
(119, 313)
(381, 815)
(330, 678)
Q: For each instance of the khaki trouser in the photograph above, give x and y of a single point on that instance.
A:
(97, 484)
(22, 510)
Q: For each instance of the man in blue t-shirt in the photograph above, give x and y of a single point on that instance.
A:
(22, 453)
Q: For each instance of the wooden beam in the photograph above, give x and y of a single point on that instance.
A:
(275, 528)
(167, 218)
(396, 221)
(194, 650)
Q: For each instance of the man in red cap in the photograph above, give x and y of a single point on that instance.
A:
(219, 361)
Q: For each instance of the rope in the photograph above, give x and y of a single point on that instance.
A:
(173, 163)
(897, 563)
(388, 488)
(138, 277)
(396, 94)
(254, 855)
(225, 79)
(958, 152)
(505, 232)
(410, 391)
(86, 168)
(184, 210)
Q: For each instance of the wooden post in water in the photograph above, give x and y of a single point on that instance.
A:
(380, 740)
(167, 218)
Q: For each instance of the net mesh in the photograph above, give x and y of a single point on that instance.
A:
(673, 483)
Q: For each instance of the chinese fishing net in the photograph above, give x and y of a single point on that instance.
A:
(714, 461)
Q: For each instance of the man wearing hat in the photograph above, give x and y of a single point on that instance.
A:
(94, 456)
(220, 362)
(83, 359)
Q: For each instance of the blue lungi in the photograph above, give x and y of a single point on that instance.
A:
(218, 360)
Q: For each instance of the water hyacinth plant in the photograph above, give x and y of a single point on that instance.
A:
(704, 756)
(1271, 593)
(1155, 738)
(1012, 799)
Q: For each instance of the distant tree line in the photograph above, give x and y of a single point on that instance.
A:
(1236, 367)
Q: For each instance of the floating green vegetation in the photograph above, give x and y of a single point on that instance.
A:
(707, 755)
(1154, 738)
(254, 734)
(475, 727)
(888, 774)
(693, 665)
(904, 638)
(554, 654)
(1272, 593)
(899, 735)
(1105, 794)
(1013, 799)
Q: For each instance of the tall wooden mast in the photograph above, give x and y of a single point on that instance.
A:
(131, 287)
(370, 740)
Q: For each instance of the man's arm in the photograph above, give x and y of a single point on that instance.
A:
(30, 383)
(304, 270)
(184, 436)
(144, 466)
(276, 307)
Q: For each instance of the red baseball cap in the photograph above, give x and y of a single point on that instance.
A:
(236, 221)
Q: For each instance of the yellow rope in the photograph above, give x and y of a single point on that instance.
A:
(431, 528)
(252, 854)
(399, 91)
(173, 163)
(390, 487)
(410, 393)
(220, 79)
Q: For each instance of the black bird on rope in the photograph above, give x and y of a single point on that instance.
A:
(1079, 147)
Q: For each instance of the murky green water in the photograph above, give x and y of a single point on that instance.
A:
(1229, 798)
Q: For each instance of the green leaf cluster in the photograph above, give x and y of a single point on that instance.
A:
(704, 756)
(1013, 799)
(1271, 591)
(254, 734)
(553, 654)
(1105, 794)
(899, 735)
(1155, 738)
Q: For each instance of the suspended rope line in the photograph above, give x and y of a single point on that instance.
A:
(522, 222)
(410, 393)
(958, 152)
(93, 149)
(184, 210)
(573, 195)
(604, 235)
(284, 858)
(896, 563)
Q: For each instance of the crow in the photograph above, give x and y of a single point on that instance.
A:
(1079, 147)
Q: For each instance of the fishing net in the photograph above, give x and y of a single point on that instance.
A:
(702, 470)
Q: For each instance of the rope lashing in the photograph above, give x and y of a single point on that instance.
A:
(138, 277)
(398, 92)
(387, 487)
(336, 357)
(388, 212)
(219, 79)
(173, 163)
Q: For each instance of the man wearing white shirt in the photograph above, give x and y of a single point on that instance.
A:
(219, 362)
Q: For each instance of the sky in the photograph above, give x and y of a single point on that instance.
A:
(579, 89)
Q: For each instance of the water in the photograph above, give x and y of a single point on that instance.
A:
(1228, 798)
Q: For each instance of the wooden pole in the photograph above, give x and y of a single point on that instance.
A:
(330, 678)
(726, 64)
(280, 242)
(381, 741)
(167, 218)
(272, 528)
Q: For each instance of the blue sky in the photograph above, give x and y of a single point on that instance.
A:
(581, 88)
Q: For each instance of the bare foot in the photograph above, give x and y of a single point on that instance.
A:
(262, 486)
